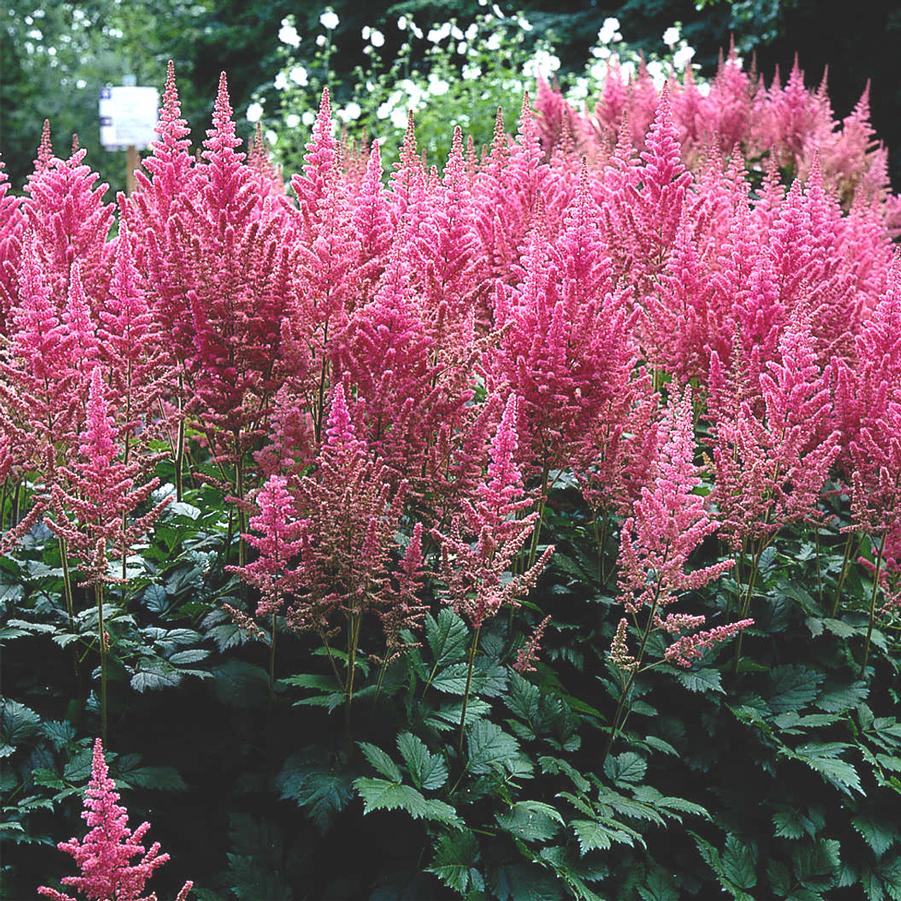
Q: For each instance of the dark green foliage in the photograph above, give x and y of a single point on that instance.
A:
(780, 780)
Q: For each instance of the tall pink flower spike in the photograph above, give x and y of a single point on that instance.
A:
(104, 856)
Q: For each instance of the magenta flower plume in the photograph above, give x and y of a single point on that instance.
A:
(12, 229)
(688, 649)
(485, 538)
(94, 495)
(280, 539)
(668, 523)
(104, 856)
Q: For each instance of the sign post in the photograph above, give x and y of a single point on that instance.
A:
(128, 115)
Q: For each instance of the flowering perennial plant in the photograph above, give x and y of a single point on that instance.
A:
(662, 334)
(104, 856)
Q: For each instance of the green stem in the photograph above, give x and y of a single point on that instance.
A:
(746, 601)
(624, 694)
(866, 647)
(843, 575)
(272, 656)
(180, 441)
(239, 491)
(98, 596)
(816, 538)
(473, 647)
(542, 503)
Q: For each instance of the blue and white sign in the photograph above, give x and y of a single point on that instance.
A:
(128, 116)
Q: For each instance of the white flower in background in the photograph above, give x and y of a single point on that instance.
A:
(321, 40)
(494, 42)
(437, 85)
(287, 34)
(541, 64)
(483, 2)
(281, 81)
(598, 70)
(415, 30)
(366, 32)
(471, 73)
(308, 118)
(683, 56)
(329, 19)
(353, 110)
(292, 120)
(456, 34)
(402, 23)
(377, 39)
(497, 11)
(271, 137)
(579, 90)
(299, 76)
(254, 112)
(81, 84)
(399, 117)
(437, 35)
(471, 32)
(704, 88)
(524, 23)
(671, 36)
(655, 70)
(462, 47)
(627, 70)
(609, 32)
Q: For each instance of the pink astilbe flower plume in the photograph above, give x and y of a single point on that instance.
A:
(37, 370)
(71, 222)
(281, 537)
(668, 523)
(104, 856)
(478, 550)
(773, 443)
(12, 228)
(131, 345)
(96, 493)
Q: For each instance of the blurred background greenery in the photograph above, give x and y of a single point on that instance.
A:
(55, 57)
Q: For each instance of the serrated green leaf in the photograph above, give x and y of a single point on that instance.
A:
(701, 680)
(879, 835)
(17, 724)
(489, 748)
(427, 771)
(454, 863)
(594, 835)
(381, 794)
(531, 821)
(739, 860)
(825, 759)
(625, 769)
(447, 637)
(316, 785)
(838, 698)
(792, 687)
(380, 761)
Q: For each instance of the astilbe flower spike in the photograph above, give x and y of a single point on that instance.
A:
(94, 495)
(104, 856)
(669, 522)
(281, 537)
(488, 534)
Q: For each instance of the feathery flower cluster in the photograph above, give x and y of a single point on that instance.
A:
(398, 371)
(669, 522)
(789, 123)
(104, 856)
